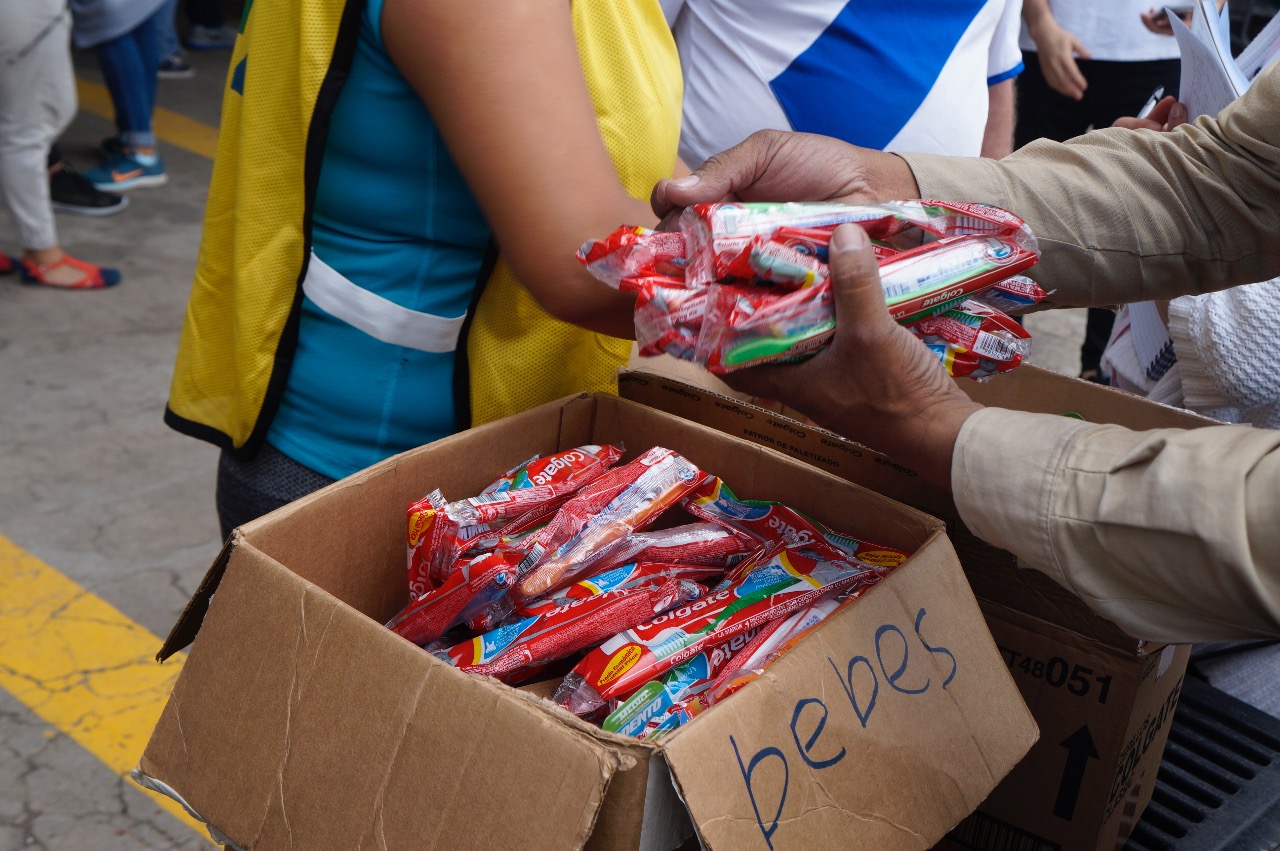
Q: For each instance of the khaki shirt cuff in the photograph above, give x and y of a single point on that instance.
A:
(1004, 471)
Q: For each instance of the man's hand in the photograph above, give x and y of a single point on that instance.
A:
(1157, 20)
(1166, 115)
(1057, 50)
(774, 166)
(876, 383)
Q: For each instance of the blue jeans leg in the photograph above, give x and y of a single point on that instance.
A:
(129, 64)
(167, 30)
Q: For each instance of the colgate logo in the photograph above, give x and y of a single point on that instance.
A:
(789, 533)
(947, 296)
(554, 465)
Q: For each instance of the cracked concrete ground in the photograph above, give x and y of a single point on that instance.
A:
(96, 486)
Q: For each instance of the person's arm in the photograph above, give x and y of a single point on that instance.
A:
(1125, 215)
(1056, 50)
(1172, 534)
(997, 139)
(503, 83)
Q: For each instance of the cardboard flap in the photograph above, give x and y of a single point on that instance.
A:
(188, 624)
(1033, 388)
(894, 713)
(299, 723)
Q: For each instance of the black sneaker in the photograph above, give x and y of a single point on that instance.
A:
(175, 67)
(73, 193)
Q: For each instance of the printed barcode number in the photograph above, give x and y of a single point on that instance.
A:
(993, 347)
(486, 498)
(987, 833)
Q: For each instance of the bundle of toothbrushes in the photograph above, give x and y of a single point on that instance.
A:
(746, 284)
(648, 585)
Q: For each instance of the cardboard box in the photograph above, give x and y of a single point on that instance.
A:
(1102, 699)
(299, 721)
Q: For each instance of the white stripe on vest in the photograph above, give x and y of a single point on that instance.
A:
(376, 316)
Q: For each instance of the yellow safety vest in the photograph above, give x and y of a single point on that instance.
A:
(241, 324)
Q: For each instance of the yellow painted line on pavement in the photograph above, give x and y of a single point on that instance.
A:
(81, 665)
(170, 127)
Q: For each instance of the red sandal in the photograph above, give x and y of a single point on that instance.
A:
(92, 277)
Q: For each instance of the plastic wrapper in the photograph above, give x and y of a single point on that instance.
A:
(663, 481)
(773, 522)
(1012, 295)
(467, 591)
(716, 233)
(974, 340)
(693, 543)
(668, 319)
(634, 251)
(745, 326)
(748, 325)
(653, 699)
(640, 574)
(790, 581)
(510, 650)
(755, 288)
(767, 646)
(770, 261)
(544, 482)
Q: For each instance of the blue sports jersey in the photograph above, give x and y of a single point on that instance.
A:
(891, 76)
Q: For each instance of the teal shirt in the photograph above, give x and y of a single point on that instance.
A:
(394, 216)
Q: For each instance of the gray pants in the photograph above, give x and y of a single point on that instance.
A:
(37, 102)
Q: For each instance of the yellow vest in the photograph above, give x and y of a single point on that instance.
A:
(241, 324)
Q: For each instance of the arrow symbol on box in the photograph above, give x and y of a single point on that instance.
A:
(1080, 749)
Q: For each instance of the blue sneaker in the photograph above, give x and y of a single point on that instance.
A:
(128, 169)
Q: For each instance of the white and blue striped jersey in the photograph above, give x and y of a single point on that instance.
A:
(883, 74)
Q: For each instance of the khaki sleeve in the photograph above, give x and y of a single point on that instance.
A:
(1173, 534)
(1134, 215)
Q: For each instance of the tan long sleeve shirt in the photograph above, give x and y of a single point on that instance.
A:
(1174, 535)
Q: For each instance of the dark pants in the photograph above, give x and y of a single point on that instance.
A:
(1116, 89)
(250, 488)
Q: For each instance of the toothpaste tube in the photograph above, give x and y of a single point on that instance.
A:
(640, 574)
(542, 482)
(694, 543)
(790, 581)
(652, 700)
(668, 319)
(774, 523)
(632, 252)
(584, 505)
(422, 518)
(665, 480)
(716, 233)
(943, 273)
(746, 326)
(527, 550)
(1012, 295)
(974, 340)
(767, 646)
(770, 261)
(508, 650)
(467, 591)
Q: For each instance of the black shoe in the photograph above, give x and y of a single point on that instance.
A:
(72, 193)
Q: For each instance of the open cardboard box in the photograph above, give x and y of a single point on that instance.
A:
(299, 721)
(1103, 699)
